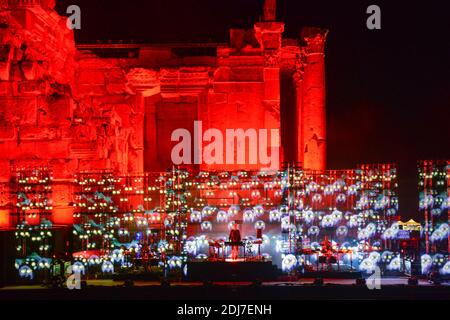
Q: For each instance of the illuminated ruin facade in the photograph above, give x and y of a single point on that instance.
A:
(75, 107)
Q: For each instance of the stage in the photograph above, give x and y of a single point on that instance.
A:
(331, 274)
(231, 271)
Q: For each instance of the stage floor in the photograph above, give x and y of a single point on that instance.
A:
(232, 271)
(392, 288)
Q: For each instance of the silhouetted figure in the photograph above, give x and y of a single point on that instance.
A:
(235, 239)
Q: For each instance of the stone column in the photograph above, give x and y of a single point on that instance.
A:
(269, 36)
(314, 114)
(151, 136)
(272, 102)
(298, 83)
(145, 83)
(138, 134)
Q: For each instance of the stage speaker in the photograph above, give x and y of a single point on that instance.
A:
(435, 278)
(333, 260)
(128, 283)
(165, 283)
(208, 283)
(7, 256)
(361, 282)
(318, 282)
(229, 271)
(416, 268)
(62, 243)
(257, 283)
(413, 281)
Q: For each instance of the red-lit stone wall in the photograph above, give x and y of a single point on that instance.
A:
(37, 65)
(84, 109)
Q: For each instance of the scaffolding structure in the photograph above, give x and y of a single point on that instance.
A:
(434, 192)
(125, 223)
(31, 190)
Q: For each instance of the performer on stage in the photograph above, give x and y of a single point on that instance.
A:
(235, 239)
(145, 252)
(327, 246)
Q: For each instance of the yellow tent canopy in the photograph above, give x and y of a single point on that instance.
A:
(411, 225)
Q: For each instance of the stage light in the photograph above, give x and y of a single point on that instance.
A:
(368, 265)
(317, 198)
(395, 264)
(327, 221)
(233, 211)
(206, 226)
(389, 234)
(175, 262)
(329, 190)
(260, 225)
(163, 245)
(208, 211)
(342, 231)
(258, 210)
(191, 247)
(117, 255)
(107, 267)
(375, 256)
(26, 272)
(44, 264)
(436, 212)
(428, 201)
(439, 260)
(202, 257)
(196, 216)
(94, 260)
(285, 224)
(387, 256)
(78, 267)
(222, 217)
(289, 263)
(309, 217)
(341, 198)
(314, 231)
(312, 187)
(274, 216)
(249, 216)
(446, 269)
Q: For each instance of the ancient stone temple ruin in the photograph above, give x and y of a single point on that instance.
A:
(76, 107)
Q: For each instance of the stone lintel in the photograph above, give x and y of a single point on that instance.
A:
(315, 39)
(269, 34)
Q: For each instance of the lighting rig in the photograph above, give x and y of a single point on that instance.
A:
(289, 217)
(434, 203)
(32, 192)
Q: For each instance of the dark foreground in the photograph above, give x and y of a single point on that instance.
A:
(331, 290)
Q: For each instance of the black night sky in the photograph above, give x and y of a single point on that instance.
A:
(388, 90)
